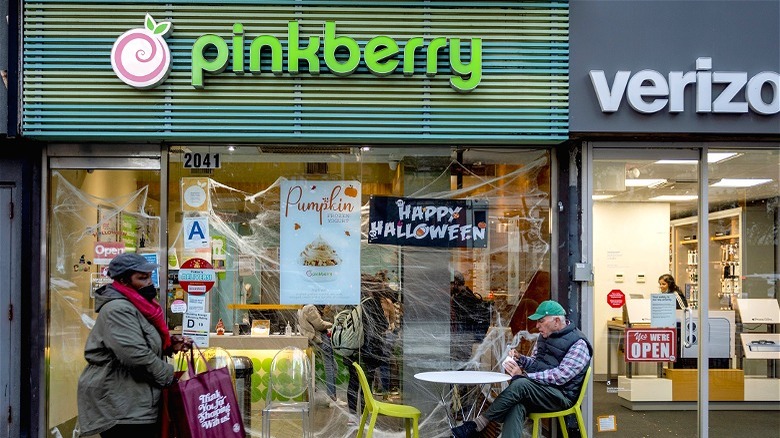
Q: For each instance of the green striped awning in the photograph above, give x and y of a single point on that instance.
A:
(70, 91)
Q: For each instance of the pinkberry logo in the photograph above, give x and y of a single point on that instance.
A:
(140, 57)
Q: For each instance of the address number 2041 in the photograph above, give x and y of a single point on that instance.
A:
(196, 160)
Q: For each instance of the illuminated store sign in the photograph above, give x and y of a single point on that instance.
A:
(141, 58)
(648, 91)
(380, 55)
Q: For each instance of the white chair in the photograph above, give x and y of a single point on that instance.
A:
(289, 379)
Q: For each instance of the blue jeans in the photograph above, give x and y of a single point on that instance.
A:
(325, 350)
(522, 396)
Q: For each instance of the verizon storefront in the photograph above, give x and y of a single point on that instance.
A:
(677, 106)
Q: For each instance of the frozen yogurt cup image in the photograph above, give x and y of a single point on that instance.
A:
(320, 261)
(319, 253)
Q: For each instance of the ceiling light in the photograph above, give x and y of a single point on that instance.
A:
(602, 197)
(677, 162)
(674, 198)
(645, 182)
(740, 182)
(712, 157)
(231, 148)
(717, 157)
(365, 148)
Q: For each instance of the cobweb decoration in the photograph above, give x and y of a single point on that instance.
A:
(422, 336)
(78, 220)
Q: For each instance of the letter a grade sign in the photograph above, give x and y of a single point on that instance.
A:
(196, 232)
(197, 276)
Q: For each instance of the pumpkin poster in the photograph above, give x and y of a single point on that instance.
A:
(319, 239)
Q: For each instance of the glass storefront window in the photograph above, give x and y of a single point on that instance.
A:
(93, 215)
(241, 195)
(646, 236)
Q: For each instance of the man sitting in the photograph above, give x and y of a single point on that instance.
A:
(548, 380)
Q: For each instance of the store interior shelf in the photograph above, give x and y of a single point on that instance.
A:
(728, 237)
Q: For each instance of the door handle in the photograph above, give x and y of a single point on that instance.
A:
(687, 327)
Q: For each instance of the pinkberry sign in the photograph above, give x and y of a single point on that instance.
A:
(141, 57)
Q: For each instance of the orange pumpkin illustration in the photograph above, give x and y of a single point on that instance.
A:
(350, 191)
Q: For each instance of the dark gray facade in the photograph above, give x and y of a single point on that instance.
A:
(669, 36)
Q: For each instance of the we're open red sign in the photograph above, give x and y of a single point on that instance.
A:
(651, 344)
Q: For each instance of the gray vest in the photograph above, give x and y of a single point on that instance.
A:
(550, 352)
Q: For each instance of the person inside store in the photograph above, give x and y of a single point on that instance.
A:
(316, 329)
(548, 380)
(373, 352)
(119, 389)
(667, 285)
(469, 317)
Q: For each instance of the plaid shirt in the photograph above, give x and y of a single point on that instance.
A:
(576, 359)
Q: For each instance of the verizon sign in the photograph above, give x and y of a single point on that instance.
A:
(726, 92)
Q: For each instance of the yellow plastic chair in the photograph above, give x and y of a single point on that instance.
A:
(410, 414)
(561, 414)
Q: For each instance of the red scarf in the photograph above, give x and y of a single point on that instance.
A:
(151, 310)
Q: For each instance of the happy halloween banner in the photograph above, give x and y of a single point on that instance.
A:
(455, 223)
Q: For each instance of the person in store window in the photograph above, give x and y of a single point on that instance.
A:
(667, 285)
(316, 329)
(548, 380)
(119, 389)
(373, 352)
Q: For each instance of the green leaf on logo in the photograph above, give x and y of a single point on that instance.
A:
(162, 28)
(150, 24)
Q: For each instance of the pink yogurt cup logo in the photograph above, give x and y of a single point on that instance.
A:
(140, 57)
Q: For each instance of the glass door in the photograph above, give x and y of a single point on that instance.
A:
(644, 358)
(97, 208)
(656, 225)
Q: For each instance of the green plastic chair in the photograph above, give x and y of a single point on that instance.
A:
(561, 414)
(410, 414)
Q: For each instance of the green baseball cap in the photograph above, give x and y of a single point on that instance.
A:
(549, 307)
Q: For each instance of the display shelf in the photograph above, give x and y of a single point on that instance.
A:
(718, 238)
(724, 265)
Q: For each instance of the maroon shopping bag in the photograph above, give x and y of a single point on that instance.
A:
(205, 405)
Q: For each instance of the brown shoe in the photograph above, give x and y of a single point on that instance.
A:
(492, 430)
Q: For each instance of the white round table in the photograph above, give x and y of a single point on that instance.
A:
(478, 379)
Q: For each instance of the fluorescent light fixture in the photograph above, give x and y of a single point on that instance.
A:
(712, 157)
(740, 182)
(717, 157)
(645, 182)
(365, 148)
(602, 197)
(676, 162)
(674, 198)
